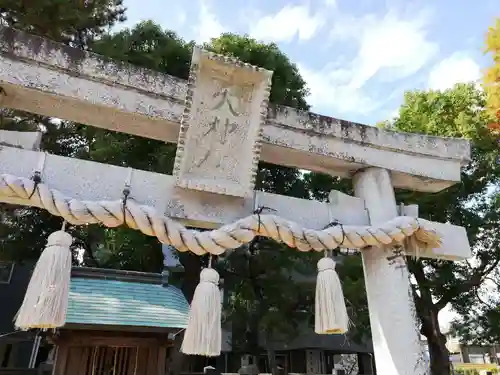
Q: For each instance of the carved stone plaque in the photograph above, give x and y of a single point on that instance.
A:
(219, 141)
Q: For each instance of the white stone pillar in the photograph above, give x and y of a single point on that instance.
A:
(396, 340)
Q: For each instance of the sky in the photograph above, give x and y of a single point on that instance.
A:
(357, 57)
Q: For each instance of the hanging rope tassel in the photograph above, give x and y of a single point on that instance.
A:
(203, 333)
(46, 299)
(331, 313)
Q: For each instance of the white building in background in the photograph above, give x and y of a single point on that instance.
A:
(462, 356)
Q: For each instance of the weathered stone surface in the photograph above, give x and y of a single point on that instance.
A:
(395, 336)
(44, 77)
(86, 180)
(455, 244)
(219, 142)
(26, 140)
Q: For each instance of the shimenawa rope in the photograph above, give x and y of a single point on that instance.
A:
(217, 241)
(203, 333)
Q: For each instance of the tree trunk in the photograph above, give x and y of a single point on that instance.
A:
(428, 312)
(436, 341)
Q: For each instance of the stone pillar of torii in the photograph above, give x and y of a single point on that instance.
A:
(223, 125)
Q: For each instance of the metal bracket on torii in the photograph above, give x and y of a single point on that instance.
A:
(219, 146)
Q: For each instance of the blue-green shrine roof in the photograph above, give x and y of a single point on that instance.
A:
(118, 298)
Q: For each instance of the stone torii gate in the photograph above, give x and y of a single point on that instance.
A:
(223, 125)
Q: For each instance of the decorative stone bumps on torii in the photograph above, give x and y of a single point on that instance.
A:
(50, 79)
(137, 101)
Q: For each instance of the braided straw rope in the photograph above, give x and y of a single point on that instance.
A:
(152, 223)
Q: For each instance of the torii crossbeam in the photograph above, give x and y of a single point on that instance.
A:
(223, 125)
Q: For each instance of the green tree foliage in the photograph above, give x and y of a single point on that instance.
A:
(457, 112)
(270, 294)
(479, 320)
(149, 46)
(480, 323)
(23, 231)
(350, 270)
(122, 247)
(73, 22)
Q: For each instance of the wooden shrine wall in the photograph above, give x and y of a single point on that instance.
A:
(103, 353)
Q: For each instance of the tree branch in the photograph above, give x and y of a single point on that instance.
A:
(491, 268)
(473, 282)
(497, 283)
(417, 269)
(486, 304)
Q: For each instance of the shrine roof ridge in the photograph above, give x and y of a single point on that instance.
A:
(118, 275)
(26, 47)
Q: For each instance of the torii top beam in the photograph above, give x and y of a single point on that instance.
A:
(226, 127)
(44, 77)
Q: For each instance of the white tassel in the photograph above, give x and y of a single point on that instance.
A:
(46, 300)
(331, 313)
(203, 333)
